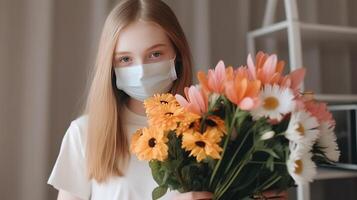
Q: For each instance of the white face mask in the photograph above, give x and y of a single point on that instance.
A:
(144, 80)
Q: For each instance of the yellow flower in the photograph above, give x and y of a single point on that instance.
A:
(134, 140)
(189, 122)
(151, 145)
(156, 102)
(192, 122)
(214, 121)
(167, 117)
(203, 145)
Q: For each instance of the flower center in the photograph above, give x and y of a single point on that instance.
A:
(298, 167)
(300, 128)
(152, 142)
(192, 124)
(164, 102)
(211, 123)
(169, 114)
(200, 143)
(271, 103)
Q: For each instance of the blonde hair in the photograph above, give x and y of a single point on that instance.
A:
(107, 150)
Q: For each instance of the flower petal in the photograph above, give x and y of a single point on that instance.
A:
(181, 100)
(270, 65)
(297, 77)
(247, 103)
(251, 67)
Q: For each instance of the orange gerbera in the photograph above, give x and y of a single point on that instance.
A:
(203, 145)
(241, 90)
(189, 123)
(192, 123)
(167, 117)
(155, 103)
(151, 145)
(214, 121)
(134, 140)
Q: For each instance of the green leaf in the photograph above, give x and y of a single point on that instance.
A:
(154, 165)
(166, 176)
(159, 192)
(270, 152)
(156, 171)
(272, 182)
(270, 163)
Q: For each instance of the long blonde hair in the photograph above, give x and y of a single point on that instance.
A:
(107, 150)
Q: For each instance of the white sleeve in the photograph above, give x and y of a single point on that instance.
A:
(69, 172)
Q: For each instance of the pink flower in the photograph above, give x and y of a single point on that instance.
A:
(214, 81)
(197, 101)
(269, 70)
(300, 102)
(297, 77)
(320, 111)
(294, 79)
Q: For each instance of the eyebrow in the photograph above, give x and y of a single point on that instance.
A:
(152, 47)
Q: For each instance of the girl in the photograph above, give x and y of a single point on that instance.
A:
(142, 51)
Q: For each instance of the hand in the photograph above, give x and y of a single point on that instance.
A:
(273, 195)
(193, 196)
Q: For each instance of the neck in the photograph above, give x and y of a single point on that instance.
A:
(136, 106)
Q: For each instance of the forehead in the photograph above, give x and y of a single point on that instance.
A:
(140, 35)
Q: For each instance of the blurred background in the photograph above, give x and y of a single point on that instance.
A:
(48, 47)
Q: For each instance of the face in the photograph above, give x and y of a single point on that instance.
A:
(140, 43)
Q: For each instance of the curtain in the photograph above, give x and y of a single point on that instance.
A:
(47, 48)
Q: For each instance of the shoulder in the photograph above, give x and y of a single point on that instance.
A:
(77, 133)
(80, 124)
(69, 172)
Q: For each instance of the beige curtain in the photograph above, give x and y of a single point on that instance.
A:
(47, 48)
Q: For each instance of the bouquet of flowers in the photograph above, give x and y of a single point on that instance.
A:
(238, 133)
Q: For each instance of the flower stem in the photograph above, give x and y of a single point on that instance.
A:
(231, 126)
(262, 162)
(230, 180)
(236, 152)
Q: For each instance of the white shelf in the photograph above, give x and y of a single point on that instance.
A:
(337, 98)
(326, 32)
(309, 31)
(324, 174)
(295, 33)
(270, 29)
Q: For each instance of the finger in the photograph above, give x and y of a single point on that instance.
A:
(197, 195)
(274, 194)
(202, 195)
(276, 198)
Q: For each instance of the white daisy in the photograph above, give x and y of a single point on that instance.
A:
(301, 168)
(302, 130)
(275, 101)
(327, 142)
(299, 148)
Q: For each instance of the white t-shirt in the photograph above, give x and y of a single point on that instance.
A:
(69, 172)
